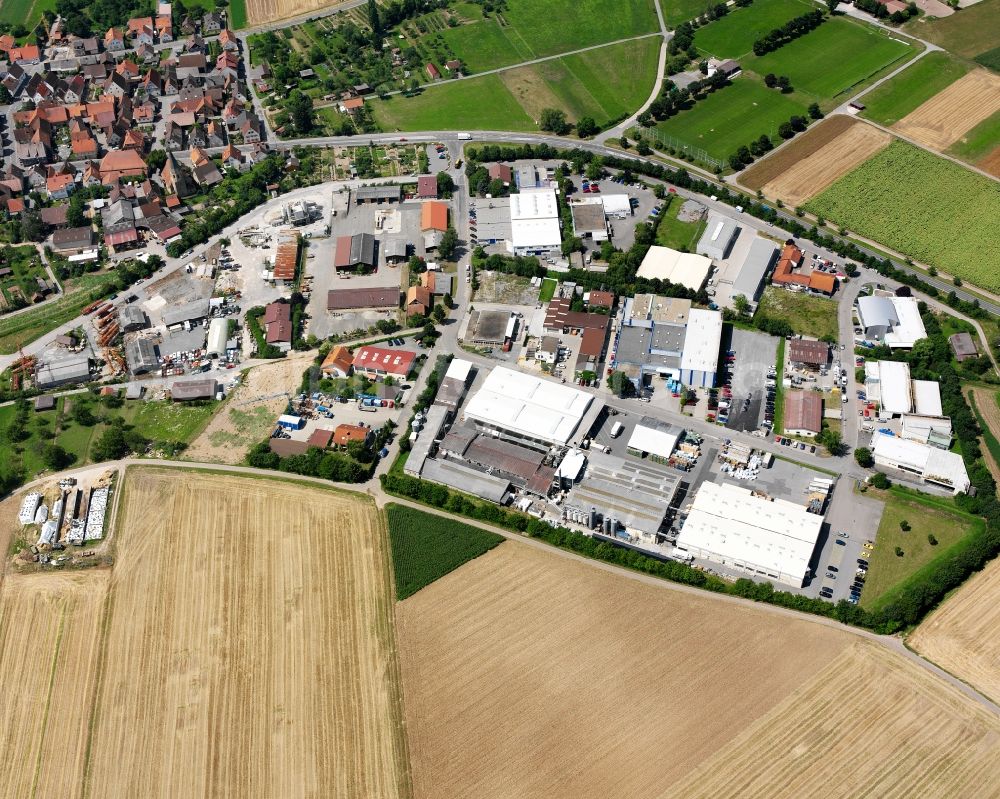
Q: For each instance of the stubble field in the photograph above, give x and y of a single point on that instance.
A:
(241, 645)
(953, 112)
(529, 674)
(961, 635)
(833, 160)
(260, 12)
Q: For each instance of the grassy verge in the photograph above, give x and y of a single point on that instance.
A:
(779, 390)
(808, 316)
(548, 289)
(925, 515)
(427, 547)
(672, 232)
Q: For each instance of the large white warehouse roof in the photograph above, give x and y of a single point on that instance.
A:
(528, 406)
(702, 341)
(683, 268)
(774, 536)
(660, 443)
(534, 220)
(933, 464)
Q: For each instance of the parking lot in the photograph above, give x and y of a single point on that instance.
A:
(754, 358)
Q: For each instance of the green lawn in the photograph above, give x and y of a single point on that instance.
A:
(731, 117)
(970, 32)
(426, 547)
(16, 12)
(673, 233)
(534, 29)
(925, 515)
(478, 103)
(912, 87)
(237, 14)
(990, 59)
(980, 141)
(923, 206)
(815, 317)
(548, 289)
(733, 35)
(677, 11)
(834, 58)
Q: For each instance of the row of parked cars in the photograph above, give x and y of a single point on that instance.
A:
(860, 572)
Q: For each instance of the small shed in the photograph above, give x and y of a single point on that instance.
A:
(45, 402)
(290, 422)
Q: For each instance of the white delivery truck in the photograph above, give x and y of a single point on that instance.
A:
(616, 429)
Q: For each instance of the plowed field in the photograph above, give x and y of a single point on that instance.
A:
(814, 173)
(951, 113)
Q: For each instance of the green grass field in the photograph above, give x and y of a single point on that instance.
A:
(968, 33)
(459, 104)
(980, 141)
(990, 59)
(426, 547)
(839, 55)
(18, 12)
(237, 14)
(733, 35)
(924, 514)
(529, 29)
(673, 233)
(732, 117)
(912, 87)
(808, 315)
(548, 289)
(922, 205)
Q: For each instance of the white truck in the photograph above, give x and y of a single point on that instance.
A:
(616, 429)
(464, 136)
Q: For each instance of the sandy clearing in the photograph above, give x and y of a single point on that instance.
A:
(871, 724)
(249, 413)
(526, 674)
(954, 111)
(814, 173)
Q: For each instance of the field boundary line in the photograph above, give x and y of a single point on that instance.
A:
(913, 651)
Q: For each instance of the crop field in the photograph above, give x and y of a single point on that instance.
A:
(260, 12)
(949, 115)
(527, 673)
(915, 85)
(757, 175)
(961, 636)
(871, 724)
(241, 645)
(50, 631)
(925, 516)
(971, 32)
(732, 117)
(733, 35)
(923, 206)
(529, 29)
(981, 145)
(425, 547)
(833, 160)
(852, 53)
(808, 316)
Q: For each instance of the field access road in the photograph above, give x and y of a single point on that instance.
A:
(374, 490)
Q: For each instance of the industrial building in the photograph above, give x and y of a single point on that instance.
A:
(218, 334)
(286, 256)
(534, 222)
(651, 339)
(467, 480)
(803, 413)
(530, 409)
(132, 317)
(188, 390)
(589, 220)
(73, 368)
(757, 263)
(617, 206)
(338, 362)
(378, 298)
(681, 268)
(140, 355)
(888, 383)
(378, 194)
(437, 416)
(354, 251)
(523, 467)
(493, 224)
(765, 537)
(653, 439)
(893, 320)
(931, 464)
(718, 238)
(380, 362)
(808, 354)
(702, 339)
(189, 312)
(963, 345)
(452, 390)
(488, 327)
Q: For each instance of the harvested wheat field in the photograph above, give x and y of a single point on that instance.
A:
(991, 163)
(961, 636)
(528, 674)
(249, 413)
(833, 160)
(260, 12)
(984, 401)
(871, 724)
(954, 111)
(50, 628)
(249, 651)
(802, 146)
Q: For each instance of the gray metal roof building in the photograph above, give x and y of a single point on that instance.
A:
(132, 317)
(466, 479)
(493, 220)
(395, 249)
(758, 261)
(718, 238)
(189, 311)
(140, 355)
(378, 194)
(72, 369)
(437, 416)
(185, 390)
(487, 327)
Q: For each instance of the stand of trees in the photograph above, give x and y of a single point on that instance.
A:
(790, 31)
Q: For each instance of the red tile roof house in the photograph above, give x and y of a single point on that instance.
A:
(432, 72)
(277, 324)
(427, 187)
(376, 362)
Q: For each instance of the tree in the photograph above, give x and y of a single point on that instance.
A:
(376, 25)
(56, 458)
(832, 5)
(904, 526)
(32, 227)
(74, 211)
(586, 127)
(554, 121)
(899, 552)
(863, 456)
(445, 184)
(620, 385)
(448, 245)
(82, 415)
(880, 481)
(931, 539)
(784, 84)
(785, 130)
(741, 305)
(156, 160)
(300, 110)
(814, 111)
(439, 314)
(770, 80)
(111, 445)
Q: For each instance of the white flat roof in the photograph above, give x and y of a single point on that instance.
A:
(683, 268)
(927, 398)
(534, 204)
(894, 386)
(616, 203)
(910, 328)
(459, 369)
(529, 406)
(702, 340)
(534, 220)
(876, 311)
(932, 463)
(775, 536)
(656, 442)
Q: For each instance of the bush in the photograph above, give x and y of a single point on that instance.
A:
(879, 480)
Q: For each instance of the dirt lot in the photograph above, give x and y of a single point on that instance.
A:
(260, 12)
(834, 159)
(870, 724)
(800, 147)
(49, 651)
(241, 645)
(954, 111)
(527, 674)
(250, 411)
